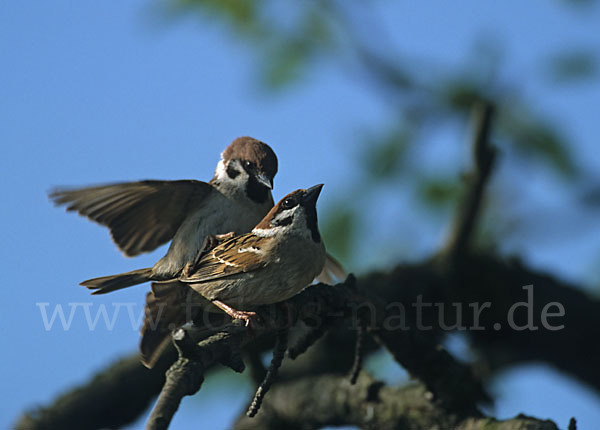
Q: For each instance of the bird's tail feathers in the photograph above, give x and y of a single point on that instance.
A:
(107, 284)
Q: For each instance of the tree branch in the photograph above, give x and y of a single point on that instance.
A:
(265, 385)
(114, 397)
(185, 376)
(484, 155)
(495, 285)
(332, 401)
(434, 366)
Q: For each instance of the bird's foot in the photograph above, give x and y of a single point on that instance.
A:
(250, 318)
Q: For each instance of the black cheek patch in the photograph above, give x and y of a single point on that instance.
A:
(231, 172)
(285, 221)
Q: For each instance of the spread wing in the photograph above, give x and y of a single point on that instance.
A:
(240, 254)
(140, 215)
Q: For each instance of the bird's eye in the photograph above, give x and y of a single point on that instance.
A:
(289, 203)
(248, 163)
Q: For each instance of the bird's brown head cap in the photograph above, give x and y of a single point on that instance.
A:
(247, 148)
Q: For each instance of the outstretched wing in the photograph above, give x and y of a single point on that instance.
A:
(240, 254)
(140, 215)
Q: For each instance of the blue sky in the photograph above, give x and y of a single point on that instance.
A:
(96, 92)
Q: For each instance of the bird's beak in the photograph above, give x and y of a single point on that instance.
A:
(264, 180)
(312, 194)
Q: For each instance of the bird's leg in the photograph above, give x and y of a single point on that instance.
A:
(247, 316)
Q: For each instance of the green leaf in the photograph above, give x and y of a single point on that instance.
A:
(461, 95)
(288, 56)
(536, 138)
(570, 67)
(285, 63)
(383, 156)
(438, 192)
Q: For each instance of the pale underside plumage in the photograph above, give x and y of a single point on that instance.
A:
(238, 275)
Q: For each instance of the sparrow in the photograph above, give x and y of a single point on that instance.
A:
(276, 260)
(285, 244)
(144, 215)
(272, 263)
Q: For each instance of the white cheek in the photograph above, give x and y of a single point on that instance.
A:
(221, 170)
(266, 232)
(298, 225)
(221, 174)
(280, 217)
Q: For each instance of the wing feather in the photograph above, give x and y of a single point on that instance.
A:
(140, 215)
(240, 254)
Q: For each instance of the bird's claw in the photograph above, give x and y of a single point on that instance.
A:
(249, 318)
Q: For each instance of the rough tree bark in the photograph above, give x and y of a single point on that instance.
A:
(330, 400)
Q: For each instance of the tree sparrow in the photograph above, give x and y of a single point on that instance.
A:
(286, 244)
(143, 215)
(272, 263)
